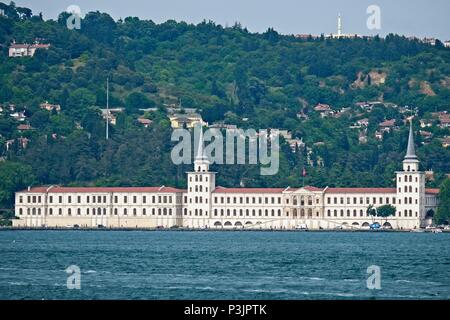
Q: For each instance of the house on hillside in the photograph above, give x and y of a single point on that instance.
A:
(19, 115)
(387, 125)
(188, 120)
(445, 141)
(145, 122)
(50, 107)
(444, 120)
(24, 127)
(324, 110)
(25, 49)
(111, 114)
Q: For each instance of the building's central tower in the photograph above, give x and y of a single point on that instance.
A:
(411, 188)
(201, 184)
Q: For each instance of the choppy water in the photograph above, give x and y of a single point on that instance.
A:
(223, 265)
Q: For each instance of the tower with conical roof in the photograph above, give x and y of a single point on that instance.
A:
(201, 183)
(411, 187)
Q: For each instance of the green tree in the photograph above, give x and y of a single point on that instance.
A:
(443, 211)
(386, 211)
(371, 211)
(14, 176)
(136, 101)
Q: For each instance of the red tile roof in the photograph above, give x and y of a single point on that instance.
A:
(104, 189)
(387, 123)
(248, 190)
(432, 191)
(361, 190)
(322, 107)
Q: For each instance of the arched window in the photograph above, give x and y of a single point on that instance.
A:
(115, 211)
(69, 212)
(134, 211)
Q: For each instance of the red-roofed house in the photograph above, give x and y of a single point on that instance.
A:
(324, 110)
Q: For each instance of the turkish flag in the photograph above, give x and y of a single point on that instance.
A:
(304, 172)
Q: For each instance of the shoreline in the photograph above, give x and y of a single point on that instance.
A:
(205, 230)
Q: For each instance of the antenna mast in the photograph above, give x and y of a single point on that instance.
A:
(107, 108)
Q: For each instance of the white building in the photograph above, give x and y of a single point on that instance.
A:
(24, 49)
(205, 205)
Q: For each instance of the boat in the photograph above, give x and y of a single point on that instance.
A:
(301, 227)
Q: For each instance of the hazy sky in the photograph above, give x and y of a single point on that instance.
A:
(421, 18)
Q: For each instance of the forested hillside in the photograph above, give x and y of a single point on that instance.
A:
(248, 79)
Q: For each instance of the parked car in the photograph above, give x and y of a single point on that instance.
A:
(301, 226)
(375, 226)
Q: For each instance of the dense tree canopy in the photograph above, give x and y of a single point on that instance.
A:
(252, 80)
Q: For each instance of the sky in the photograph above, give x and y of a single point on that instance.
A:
(420, 18)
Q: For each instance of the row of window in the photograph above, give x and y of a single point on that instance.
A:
(354, 200)
(301, 200)
(408, 179)
(198, 178)
(248, 213)
(407, 213)
(97, 211)
(198, 189)
(407, 189)
(98, 199)
(254, 200)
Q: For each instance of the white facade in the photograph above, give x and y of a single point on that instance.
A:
(203, 205)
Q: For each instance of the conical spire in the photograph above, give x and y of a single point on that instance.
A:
(200, 150)
(411, 152)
